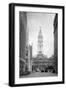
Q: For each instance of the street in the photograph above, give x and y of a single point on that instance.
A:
(39, 74)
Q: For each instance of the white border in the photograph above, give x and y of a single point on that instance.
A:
(38, 79)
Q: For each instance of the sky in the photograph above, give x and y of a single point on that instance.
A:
(45, 21)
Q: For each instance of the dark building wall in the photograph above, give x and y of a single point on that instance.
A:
(22, 28)
(56, 42)
(22, 42)
(56, 35)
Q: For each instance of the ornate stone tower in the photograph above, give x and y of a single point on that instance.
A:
(40, 42)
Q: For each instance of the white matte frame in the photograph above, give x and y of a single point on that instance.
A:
(37, 79)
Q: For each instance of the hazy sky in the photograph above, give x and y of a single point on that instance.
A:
(45, 21)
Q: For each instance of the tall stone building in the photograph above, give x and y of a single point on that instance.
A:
(22, 33)
(40, 61)
(23, 54)
(24, 48)
(56, 42)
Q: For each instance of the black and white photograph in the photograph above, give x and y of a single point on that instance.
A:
(36, 47)
(38, 44)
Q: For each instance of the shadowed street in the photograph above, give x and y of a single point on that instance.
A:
(39, 74)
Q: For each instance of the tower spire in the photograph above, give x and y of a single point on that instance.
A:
(40, 41)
